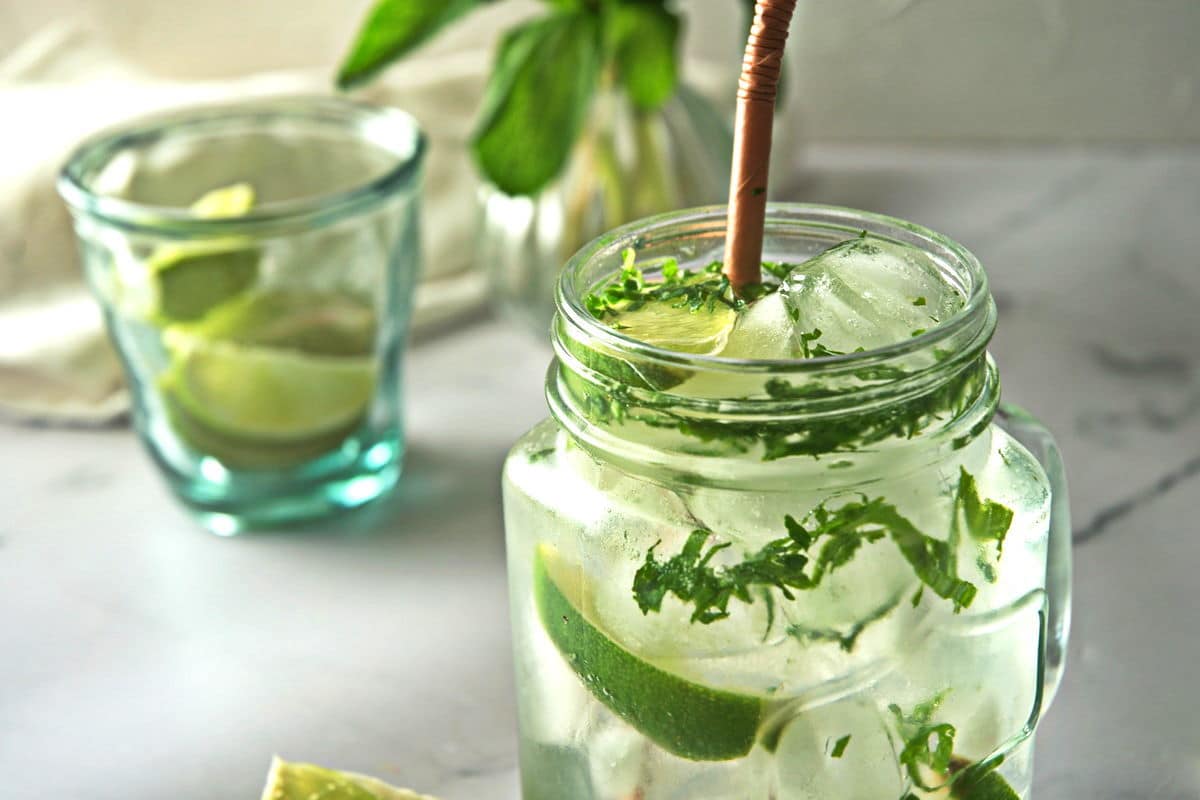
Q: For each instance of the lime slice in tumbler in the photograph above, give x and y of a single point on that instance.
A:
(191, 278)
(228, 201)
(288, 781)
(685, 718)
(268, 394)
(312, 321)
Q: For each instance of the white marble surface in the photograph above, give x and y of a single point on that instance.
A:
(143, 658)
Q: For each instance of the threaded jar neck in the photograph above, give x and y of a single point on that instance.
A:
(630, 401)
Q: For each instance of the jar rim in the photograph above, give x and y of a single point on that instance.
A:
(974, 318)
(390, 130)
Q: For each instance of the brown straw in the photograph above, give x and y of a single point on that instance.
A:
(752, 141)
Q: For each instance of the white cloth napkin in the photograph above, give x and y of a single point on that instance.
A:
(66, 82)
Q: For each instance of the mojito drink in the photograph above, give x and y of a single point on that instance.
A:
(773, 545)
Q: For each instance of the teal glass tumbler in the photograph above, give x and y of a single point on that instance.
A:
(255, 263)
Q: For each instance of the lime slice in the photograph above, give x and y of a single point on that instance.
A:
(264, 393)
(988, 786)
(243, 452)
(190, 279)
(228, 201)
(309, 320)
(288, 781)
(685, 718)
(678, 328)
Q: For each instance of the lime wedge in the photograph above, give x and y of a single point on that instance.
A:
(192, 278)
(309, 320)
(288, 781)
(228, 201)
(685, 718)
(678, 328)
(243, 452)
(266, 394)
(990, 786)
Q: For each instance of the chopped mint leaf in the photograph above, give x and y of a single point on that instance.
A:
(670, 270)
(918, 332)
(986, 568)
(926, 743)
(839, 749)
(794, 562)
(932, 746)
(921, 715)
(769, 602)
(682, 288)
(816, 350)
(986, 520)
(778, 269)
(920, 301)
(628, 261)
(917, 595)
(538, 455)
(805, 338)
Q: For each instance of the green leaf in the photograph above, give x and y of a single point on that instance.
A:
(537, 100)
(642, 43)
(392, 29)
(986, 520)
(932, 746)
(839, 749)
(789, 563)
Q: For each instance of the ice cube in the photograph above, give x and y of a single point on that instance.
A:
(867, 293)
(763, 331)
(840, 750)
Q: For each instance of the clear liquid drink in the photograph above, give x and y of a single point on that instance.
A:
(750, 560)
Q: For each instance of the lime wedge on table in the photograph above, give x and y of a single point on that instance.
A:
(288, 781)
(192, 278)
(685, 718)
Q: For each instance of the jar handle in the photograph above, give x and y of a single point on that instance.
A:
(1031, 433)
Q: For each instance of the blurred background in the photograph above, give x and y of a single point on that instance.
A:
(1058, 139)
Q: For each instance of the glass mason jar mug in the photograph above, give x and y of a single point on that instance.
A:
(842, 577)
